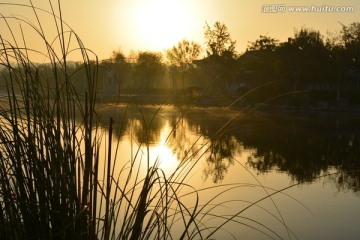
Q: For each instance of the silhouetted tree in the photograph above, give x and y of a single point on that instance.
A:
(305, 59)
(118, 69)
(351, 40)
(345, 56)
(264, 43)
(258, 65)
(218, 40)
(148, 68)
(262, 60)
(220, 64)
(118, 57)
(337, 64)
(182, 55)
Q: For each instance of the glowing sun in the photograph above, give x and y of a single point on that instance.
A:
(162, 23)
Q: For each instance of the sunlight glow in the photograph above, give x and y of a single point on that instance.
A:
(162, 23)
(167, 160)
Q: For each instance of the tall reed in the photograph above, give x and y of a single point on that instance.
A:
(55, 181)
(46, 154)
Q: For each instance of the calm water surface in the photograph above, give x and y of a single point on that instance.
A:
(318, 154)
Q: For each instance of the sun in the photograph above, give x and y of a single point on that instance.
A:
(162, 23)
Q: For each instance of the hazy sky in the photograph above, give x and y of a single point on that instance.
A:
(155, 25)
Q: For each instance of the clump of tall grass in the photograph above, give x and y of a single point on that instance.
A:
(56, 180)
(47, 158)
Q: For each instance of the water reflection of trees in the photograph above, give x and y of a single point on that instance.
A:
(221, 147)
(220, 157)
(305, 147)
(189, 140)
(142, 124)
(183, 144)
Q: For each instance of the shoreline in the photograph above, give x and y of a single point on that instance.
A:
(224, 102)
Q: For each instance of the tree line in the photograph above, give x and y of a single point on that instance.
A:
(308, 65)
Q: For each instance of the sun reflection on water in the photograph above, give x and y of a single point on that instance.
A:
(161, 154)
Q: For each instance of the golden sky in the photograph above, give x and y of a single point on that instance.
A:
(155, 25)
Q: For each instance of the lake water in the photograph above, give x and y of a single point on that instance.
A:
(311, 158)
